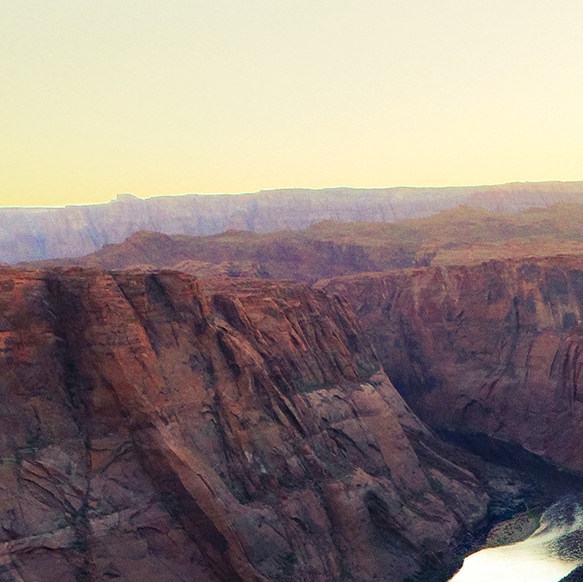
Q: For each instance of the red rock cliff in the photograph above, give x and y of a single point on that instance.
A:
(151, 431)
(493, 348)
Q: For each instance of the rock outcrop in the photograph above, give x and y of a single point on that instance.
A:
(494, 348)
(28, 234)
(155, 431)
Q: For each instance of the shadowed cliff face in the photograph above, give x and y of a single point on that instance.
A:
(151, 430)
(494, 348)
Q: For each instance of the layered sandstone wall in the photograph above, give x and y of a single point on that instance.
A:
(494, 348)
(153, 430)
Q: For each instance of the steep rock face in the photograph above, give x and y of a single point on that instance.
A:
(493, 348)
(154, 431)
(28, 234)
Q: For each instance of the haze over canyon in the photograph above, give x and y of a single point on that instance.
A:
(46, 233)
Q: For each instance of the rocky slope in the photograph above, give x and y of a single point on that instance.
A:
(154, 431)
(464, 235)
(494, 348)
(28, 234)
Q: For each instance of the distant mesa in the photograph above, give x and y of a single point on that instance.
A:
(126, 197)
(50, 233)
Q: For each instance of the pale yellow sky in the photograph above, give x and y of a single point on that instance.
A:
(159, 97)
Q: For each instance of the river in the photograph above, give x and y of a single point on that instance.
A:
(549, 554)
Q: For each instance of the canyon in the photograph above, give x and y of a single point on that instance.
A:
(154, 428)
(290, 406)
(28, 234)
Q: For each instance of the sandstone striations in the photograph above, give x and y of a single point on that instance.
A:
(152, 430)
(494, 348)
(28, 234)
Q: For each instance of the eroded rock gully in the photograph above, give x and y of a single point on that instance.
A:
(153, 431)
(494, 348)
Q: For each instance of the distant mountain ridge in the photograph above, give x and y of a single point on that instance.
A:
(28, 234)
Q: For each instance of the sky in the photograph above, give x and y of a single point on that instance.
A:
(223, 96)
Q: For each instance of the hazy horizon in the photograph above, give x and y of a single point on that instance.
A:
(267, 190)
